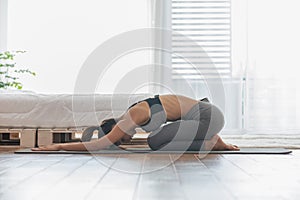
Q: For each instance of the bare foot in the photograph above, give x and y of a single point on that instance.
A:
(217, 144)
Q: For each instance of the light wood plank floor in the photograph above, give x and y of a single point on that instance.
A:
(144, 176)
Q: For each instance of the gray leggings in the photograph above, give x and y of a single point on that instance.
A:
(201, 123)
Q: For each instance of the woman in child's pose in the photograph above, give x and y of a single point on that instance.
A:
(194, 125)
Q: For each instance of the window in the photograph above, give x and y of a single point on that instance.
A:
(202, 35)
(253, 46)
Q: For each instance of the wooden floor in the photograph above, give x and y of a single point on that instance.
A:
(144, 176)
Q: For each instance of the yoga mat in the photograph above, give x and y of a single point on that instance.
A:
(147, 150)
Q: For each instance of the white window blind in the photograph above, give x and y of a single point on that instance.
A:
(208, 24)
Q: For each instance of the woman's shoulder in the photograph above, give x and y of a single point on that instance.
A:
(140, 112)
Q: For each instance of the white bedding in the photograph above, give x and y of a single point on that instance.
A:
(33, 110)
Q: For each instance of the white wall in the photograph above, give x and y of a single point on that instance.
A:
(3, 25)
(59, 35)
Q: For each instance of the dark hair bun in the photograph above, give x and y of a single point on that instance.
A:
(108, 125)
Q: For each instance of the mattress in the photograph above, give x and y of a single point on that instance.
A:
(32, 110)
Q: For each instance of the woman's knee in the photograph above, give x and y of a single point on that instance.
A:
(158, 138)
(153, 142)
(216, 121)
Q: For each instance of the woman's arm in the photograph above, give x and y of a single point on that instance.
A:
(116, 134)
(134, 117)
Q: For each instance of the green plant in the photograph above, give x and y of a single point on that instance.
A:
(9, 72)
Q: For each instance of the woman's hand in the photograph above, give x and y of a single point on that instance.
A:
(53, 147)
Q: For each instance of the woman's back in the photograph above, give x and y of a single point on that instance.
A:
(176, 106)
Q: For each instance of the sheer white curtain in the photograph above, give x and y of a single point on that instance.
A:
(59, 36)
(272, 71)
